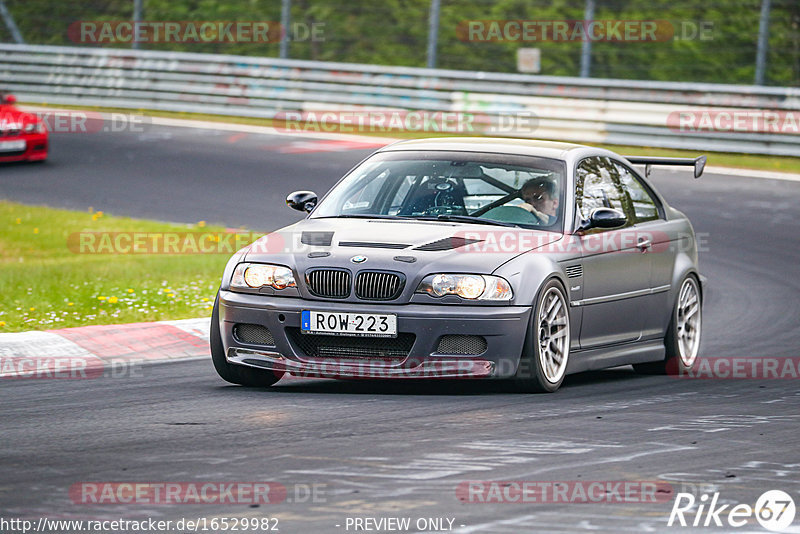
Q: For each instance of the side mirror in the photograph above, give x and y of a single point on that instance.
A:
(604, 218)
(10, 99)
(302, 200)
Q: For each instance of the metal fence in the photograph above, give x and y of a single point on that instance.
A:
(726, 118)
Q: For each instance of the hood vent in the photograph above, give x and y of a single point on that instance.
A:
(317, 239)
(448, 243)
(366, 244)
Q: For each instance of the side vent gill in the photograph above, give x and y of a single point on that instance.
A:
(574, 271)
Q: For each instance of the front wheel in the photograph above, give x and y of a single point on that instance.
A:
(236, 374)
(543, 364)
(682, 340)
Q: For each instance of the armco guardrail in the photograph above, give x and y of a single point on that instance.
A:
(726, 118)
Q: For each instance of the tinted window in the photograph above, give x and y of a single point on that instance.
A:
(597, 186)
(644, 207)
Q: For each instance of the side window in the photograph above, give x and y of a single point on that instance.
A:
(598, 185)
(643, 206)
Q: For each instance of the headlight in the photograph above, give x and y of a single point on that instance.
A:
(467, 286)
(256, 275)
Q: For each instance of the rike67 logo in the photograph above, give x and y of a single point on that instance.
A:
(774, 510)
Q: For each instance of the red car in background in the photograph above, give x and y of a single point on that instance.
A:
(23, 136)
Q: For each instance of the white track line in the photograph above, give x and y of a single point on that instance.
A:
(752, 173)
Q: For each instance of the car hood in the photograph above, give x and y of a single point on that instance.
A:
(11, 117)
(413, 248)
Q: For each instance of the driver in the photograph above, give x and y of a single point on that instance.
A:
(541, 199)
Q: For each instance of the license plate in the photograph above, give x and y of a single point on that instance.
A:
(12, 146)
(348, 324)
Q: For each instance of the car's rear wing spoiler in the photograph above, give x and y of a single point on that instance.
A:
(698, 163)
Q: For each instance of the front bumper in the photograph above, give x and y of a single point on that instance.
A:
(35, 148)
(503, 328)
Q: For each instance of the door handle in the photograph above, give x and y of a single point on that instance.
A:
(644, 244)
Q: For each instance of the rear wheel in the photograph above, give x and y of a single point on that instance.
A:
(682, 340)
(236, 374)
(543, 364)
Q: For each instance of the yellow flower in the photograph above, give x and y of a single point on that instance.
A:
(35, 230)
(70, 303)
(130, 291)
(167, 290)
(33, 309)
(113, 300)
(18, 221)
(170, 295)
(99, 214)
(2, 323)
(94, 217)
(208, 307)
(205, 299)
(201, 224)
(101, 298)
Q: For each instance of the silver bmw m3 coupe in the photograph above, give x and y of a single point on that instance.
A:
(468, 258)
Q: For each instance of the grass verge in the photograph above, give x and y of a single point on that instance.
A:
(45, 283)
(719, 159)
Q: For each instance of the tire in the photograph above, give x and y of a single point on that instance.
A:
(236, 374)
(545, 356)
(682, 340)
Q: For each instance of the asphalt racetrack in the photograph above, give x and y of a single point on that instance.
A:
(400, 449)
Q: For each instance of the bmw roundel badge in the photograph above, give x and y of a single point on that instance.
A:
(358, 259)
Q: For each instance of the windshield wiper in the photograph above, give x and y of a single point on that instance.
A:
(466, 219)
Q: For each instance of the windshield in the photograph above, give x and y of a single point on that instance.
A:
(490, 188)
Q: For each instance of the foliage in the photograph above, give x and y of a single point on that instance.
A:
(47, 282)
(394, 32)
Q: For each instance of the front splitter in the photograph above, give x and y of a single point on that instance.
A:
(343, 368)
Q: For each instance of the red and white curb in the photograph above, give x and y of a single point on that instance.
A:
(62, 353)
